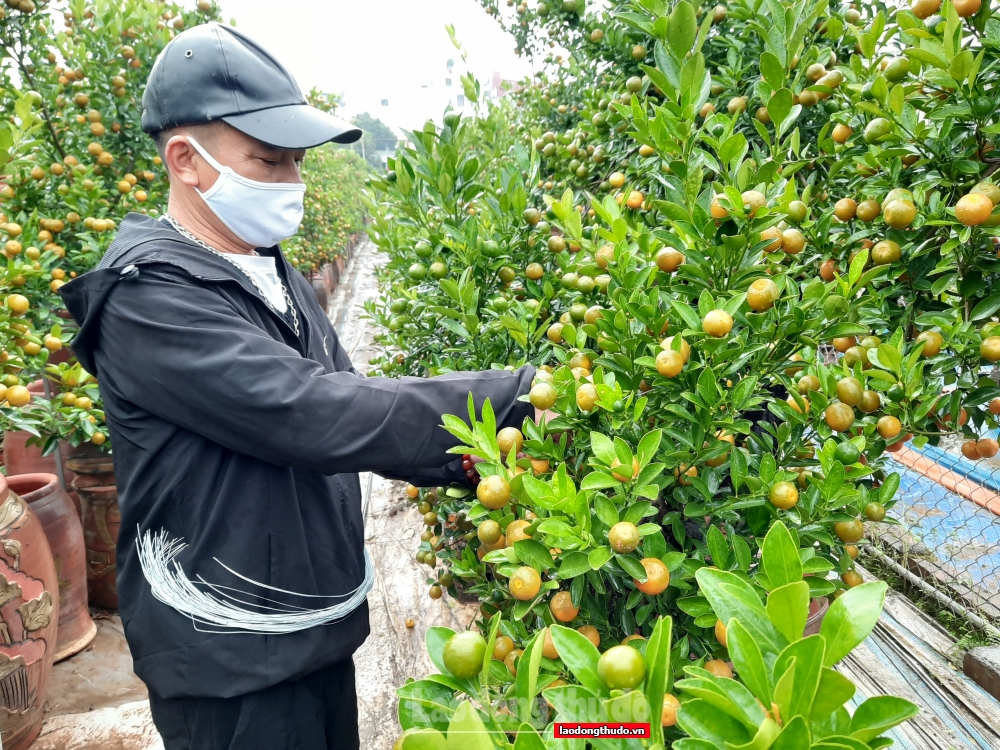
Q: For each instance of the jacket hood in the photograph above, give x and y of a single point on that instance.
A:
(141, 240)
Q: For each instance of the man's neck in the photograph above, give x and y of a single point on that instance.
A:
(219, 239)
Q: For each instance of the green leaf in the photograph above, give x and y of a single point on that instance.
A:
(689, 743)
(658, 671)
(574, 564)
(889, 356)
(682, 29)
(648, 446)
(658, 79)
(526, 680)
(837, 742)
(425, 739)
(767, 468)
(817, 565)
(732, 597)
(897, 98)
(466, 730)
(632, 566)
(858, 266)
(691, 319)
(985, 308)
(961, 65)
(470, 86)
(703, 721)
(800, 666)
(779, 106)
(846, 329)
(605, 510)
(794, 736)
(599, 556)
(867, 42)
(534, 554)
(880, 714)
(623, 452)
(733, 149)
(788, 608)
(427, 703)
(767, 732)
(718, 547)
(580, 657)
(741, 550)
(602, 447)
(540, 493)
(851, 619)
(974, 69)
(598, 480)
(780, 556)
(888, 490)
(434, 639)
(774, 73)
(925, 56)
(576, 703)
(488, 654)
(728, 696)
(737, 467)
(834, 691)
(528, 738)
(748, 661)
(632, 707)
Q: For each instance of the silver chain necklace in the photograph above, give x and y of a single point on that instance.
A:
(201, 243)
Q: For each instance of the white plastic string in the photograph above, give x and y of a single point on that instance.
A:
(157, 556)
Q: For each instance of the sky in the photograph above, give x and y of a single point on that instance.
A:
(371, 50)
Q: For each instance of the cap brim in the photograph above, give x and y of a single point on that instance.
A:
(294, 126)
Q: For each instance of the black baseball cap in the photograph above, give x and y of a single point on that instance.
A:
(213, 72)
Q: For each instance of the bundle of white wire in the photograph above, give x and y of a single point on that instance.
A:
(157, 553)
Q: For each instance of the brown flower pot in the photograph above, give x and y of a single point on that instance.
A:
(21, 458)
(322, 292)
(64, 532)
(95, 484)
(29, 611)
(817, 611)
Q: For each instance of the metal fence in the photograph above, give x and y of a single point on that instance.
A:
(947, 541)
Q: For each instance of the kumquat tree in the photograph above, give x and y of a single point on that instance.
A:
(73, 162)
(751, 257)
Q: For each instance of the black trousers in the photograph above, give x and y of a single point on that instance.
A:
(318, 712)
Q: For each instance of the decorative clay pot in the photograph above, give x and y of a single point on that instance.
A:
(64, 532)
(817, 611)
(21, 458)
(29, 611)
(322, 292)
(95, 484)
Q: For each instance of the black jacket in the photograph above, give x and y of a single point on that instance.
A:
(244, 440)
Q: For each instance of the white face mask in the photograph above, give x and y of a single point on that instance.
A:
(262, 214)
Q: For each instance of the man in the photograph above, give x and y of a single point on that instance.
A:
(238, 423)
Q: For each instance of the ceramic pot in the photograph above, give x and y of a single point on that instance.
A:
(322, 292)
(64, 532)
(21, 458)
(817, 611)
(95, 484)
(29, 611)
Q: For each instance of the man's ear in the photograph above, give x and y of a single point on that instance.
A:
(178, 155)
